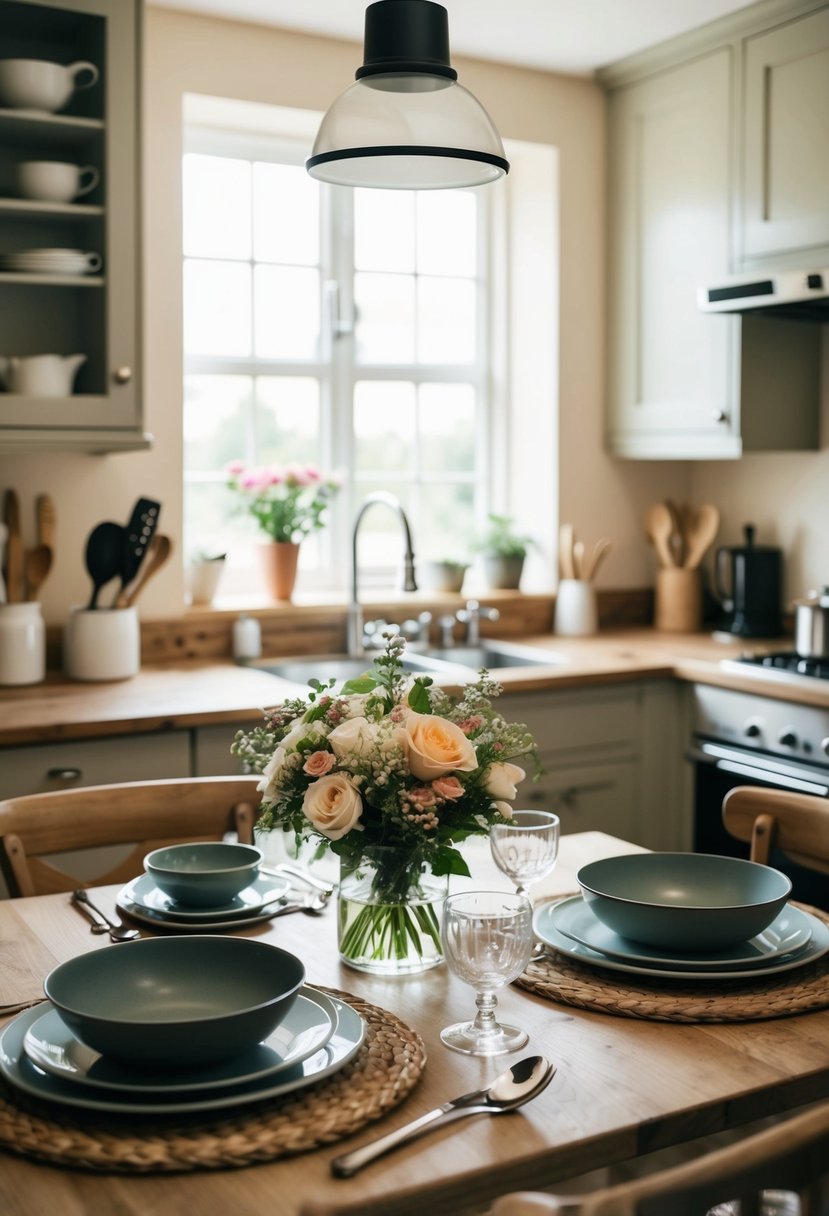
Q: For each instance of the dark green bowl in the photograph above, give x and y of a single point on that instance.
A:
(185, 1001)
(204, 873)
(684, 901)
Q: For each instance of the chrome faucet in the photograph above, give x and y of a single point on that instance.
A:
(354, 626)
(471, 616)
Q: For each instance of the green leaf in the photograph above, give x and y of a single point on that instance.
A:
(418, 696)
(360, 684)
(449, 861)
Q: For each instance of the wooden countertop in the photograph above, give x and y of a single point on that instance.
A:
(198, 693)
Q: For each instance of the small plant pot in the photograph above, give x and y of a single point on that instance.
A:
(441, 576)
(204, 578)
(503, 573)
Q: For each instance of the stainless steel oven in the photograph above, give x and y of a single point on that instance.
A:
(742, 739)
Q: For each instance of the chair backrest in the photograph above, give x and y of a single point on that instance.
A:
(791, 1156)
(145, 814)
(797, 824)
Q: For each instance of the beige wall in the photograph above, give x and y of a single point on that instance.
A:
(598, 494)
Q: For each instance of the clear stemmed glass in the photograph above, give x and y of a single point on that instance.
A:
(525, 847)
(487, 940)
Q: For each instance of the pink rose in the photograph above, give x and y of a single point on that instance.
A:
(421, 795)
(235, 467)
(471, 724)
(447, 787)
(318, 764)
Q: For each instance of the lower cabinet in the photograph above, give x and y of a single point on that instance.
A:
(211, 750)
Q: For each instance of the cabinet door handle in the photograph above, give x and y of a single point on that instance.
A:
(719, 415)
(64, 774)
(122, 375)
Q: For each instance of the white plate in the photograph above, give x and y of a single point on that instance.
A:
(789, 932)
(309, 1024)
(546, 932)
(20, 1072)
(264, 890)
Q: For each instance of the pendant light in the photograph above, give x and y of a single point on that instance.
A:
(407, 124)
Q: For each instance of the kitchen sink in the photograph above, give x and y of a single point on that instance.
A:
(492, 655)
(435, 661)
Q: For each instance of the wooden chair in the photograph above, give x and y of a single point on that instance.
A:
(797, 824)
(146, 814)
(791, 1155)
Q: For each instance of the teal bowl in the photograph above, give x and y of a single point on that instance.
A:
(684, 901)
(181, 1001)
(203, 874)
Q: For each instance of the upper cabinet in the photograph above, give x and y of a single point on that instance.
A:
(70, 298)
(717, 157)
(785, 144)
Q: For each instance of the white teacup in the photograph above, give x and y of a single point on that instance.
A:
(39, 84)
(55, 181)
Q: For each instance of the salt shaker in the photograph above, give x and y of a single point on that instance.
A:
(247, 638)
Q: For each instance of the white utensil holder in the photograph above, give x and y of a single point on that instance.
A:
(575, 614)
(102, 644)
(22, 644)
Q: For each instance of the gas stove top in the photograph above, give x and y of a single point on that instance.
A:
(788, 661)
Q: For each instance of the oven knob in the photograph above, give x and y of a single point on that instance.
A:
(752, 729)
(787, 737)
(824, 743)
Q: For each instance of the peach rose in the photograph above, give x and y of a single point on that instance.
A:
(318, 764)
(447, 787)
(436, 747)
(332, 805)
(500, 779)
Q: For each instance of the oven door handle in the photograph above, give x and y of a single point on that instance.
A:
(723, 760)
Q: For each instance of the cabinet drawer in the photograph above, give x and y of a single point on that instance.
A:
(596, 797)
(54, 766)
(563, 722)
(211, 750)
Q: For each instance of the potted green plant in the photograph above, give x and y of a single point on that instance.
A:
(503, 551)
(442, 574)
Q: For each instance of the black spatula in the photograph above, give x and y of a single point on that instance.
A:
(137, 536)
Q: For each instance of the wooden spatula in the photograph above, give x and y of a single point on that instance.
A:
(46, 517)
(701, 533)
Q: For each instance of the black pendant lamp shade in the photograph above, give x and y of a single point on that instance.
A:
(407, 124)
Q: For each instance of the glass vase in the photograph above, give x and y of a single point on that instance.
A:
(389, 912)
(280, 848)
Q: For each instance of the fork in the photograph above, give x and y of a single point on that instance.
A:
(101, 923)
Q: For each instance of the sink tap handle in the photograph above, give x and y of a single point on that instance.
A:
(472, 615)
(446, 624)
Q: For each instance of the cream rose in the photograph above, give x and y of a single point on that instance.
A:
(436, 747)
(501, 779)
(357, 736)
(504, 809)
(332, 805)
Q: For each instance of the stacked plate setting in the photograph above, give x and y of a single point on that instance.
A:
(51, 261)
(793, 939)
(40, 1056)
(144, 901)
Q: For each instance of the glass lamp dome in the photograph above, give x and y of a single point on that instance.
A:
(407, 124)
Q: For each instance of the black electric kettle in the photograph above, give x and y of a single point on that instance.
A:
(748, 579)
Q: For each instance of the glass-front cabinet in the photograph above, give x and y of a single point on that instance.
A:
(70, 290)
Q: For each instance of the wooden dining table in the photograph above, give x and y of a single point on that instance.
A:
(623, 1086)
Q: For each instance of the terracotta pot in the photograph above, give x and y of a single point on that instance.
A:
(279, 561)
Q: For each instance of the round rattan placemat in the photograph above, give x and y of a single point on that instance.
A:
(383, 1072)
(562, 979)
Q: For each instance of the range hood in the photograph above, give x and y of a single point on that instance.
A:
(801, 295)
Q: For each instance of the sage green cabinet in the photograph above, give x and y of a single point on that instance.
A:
(672, 390)
(785, 143)
(98, 314)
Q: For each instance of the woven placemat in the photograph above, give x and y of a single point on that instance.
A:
(562, 979)
(384, 1071)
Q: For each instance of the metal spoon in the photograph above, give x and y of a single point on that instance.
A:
(312, 904)
(284, 867)
(508, 1091)
(117, 931)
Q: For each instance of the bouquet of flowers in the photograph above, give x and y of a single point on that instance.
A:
(392, 770)
(287, 503)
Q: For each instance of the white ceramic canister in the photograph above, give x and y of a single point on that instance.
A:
(102, 644)
(575, 611)
(22, 644)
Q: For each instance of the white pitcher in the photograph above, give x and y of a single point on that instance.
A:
(40, 375)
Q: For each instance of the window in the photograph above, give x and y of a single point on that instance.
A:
(345, 329)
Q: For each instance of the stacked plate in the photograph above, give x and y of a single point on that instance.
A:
(145, 902)
(793, 939)
(51, 261)
(40, 1056)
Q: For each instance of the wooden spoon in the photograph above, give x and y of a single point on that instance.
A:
(600, 551)
(660, 526)
(565, 551)
(158, 551)
(37, 563)
(578, 558)
(701, 534)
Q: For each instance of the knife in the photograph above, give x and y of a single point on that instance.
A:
(14, 548)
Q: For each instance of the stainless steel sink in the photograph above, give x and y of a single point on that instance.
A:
(492, 655)
(340, 667)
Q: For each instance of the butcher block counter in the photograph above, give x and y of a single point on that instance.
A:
(192, 693)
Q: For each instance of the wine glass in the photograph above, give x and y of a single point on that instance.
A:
(487, 940)
(525, 847)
